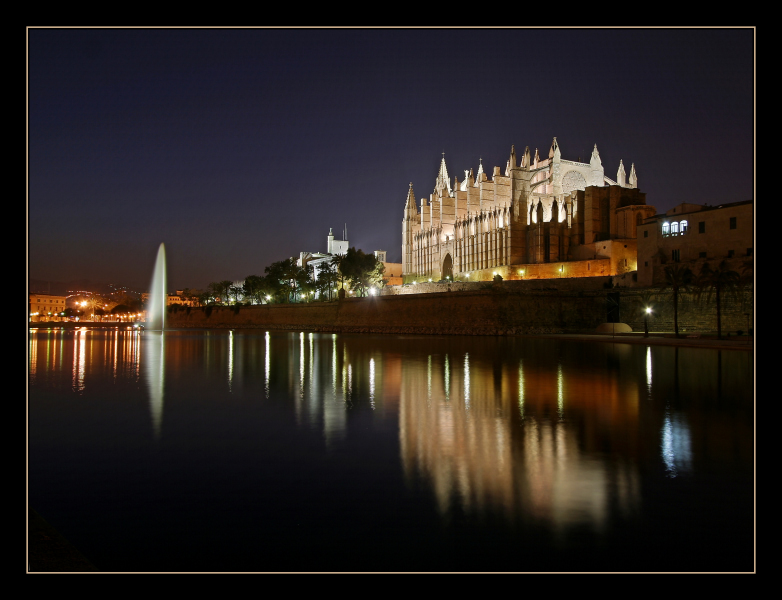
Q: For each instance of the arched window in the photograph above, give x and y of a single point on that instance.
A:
(666, 229)
(683, 227)
(675, 228)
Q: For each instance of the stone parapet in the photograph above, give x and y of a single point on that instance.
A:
(509, 308)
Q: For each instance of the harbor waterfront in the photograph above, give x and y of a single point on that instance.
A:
(249, 450)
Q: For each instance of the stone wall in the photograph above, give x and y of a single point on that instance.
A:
(697, 313)
(565, 284)
(499, 310)
(496, 311)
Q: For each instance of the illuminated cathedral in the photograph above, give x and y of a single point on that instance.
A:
(540, 218)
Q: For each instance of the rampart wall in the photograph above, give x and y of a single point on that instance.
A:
(498, 310)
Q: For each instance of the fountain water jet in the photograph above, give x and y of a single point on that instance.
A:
(156, 308)
(154, 361)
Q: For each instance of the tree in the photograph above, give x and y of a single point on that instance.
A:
(304, 282)
(328, 276)
(234, 291)
(678, 278)
(336, 263)
(280, 277)
(122, 311)
(220, 290)
(255, 288)
(363, 270)
(717, 281)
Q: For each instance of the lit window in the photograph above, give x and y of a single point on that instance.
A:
(674, 228)
(666, 229)
(683, 227)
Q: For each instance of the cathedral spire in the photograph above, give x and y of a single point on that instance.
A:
(598, 174)
(620, 174)
(554, 150)
(536, 159)
(633, 179)
(525, 161)
(595, 161)
(443, 181)
(410, 197)
(513, 164)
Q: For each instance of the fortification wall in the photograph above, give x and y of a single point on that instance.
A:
(480, 312)
(565, 284)
(506, 309)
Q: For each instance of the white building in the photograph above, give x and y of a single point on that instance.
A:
(318, 259)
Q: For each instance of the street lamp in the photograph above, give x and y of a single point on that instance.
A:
(647, 312)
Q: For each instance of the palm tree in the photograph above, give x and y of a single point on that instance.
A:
(718, 280)
(678, 278)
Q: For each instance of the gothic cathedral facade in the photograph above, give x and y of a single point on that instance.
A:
(540, 219)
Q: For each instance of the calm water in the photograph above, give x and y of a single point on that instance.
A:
(256, 451)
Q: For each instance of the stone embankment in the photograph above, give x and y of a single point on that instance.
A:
(498, 310)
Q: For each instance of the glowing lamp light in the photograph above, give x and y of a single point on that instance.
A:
(430, 280)
(648, 310)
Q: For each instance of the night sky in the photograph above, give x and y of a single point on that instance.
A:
(241, 147)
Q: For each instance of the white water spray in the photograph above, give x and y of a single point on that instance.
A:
(156, 308)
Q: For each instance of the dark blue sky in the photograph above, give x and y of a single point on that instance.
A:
(238, 148)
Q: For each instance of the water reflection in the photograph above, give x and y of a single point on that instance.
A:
(532, 430)
(675, 445)
(480, 454)
(155, 374)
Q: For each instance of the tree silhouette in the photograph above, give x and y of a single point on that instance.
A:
(363, 270)
(678, 278)
(717, 281)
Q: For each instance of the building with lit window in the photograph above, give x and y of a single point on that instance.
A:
(695, 234)
(45, 307)
(542, 218)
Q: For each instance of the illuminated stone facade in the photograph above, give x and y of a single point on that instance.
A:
(543, 218)
(693, 234)
(45, 307)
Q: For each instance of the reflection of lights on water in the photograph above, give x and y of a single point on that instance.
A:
(230, 358)
(649, 368)
(676, 446)
(334, 363)
(372, 383)
(429, 380)
(301, 364)
(79, 360)
(467, 379)
(154, 362)
(447, 379)
(521, 391)
(267, 363)
(560, 393)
